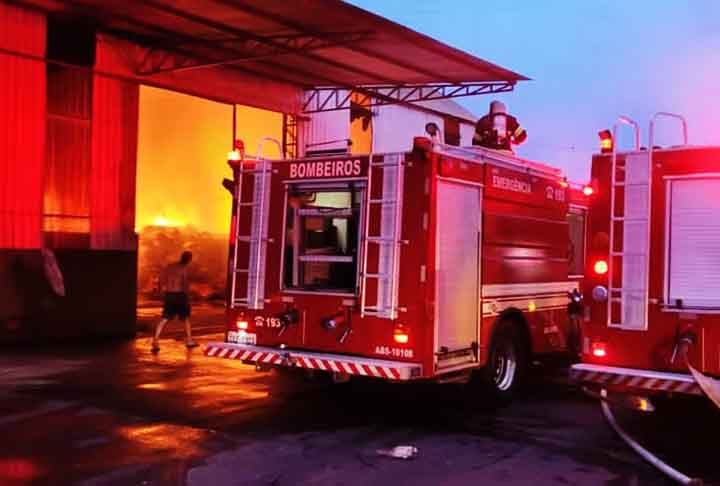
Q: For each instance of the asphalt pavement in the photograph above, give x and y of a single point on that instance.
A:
(116, 414)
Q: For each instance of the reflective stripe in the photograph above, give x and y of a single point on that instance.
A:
(361, 366)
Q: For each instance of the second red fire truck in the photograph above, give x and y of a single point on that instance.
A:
(428, 264)
(653, 272)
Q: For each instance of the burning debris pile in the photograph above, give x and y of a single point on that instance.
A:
(160, 245)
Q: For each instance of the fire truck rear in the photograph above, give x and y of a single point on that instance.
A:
(429, 264)
(652, 322)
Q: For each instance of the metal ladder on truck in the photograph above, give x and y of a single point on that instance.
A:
(631, 177)
(628, 302)
(253, 269)
(388, 241)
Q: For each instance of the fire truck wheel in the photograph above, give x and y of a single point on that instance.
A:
(507, 360)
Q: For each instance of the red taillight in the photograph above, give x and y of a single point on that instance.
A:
(400, 335)
(242, 324)
(588, 191)
(599, 350)
(600, 267)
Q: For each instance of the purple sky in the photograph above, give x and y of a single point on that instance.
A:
(589, 61)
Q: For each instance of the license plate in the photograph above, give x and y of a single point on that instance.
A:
(242, 337)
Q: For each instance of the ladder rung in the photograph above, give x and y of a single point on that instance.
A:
(385, 164)
(620, 289)
(376, 275)
(374, 309)
(383, 201)
(256, 171)
(625, 253)
(632, 220)
(246, 204)
(634, 184)
(381, 239)
(242, 270)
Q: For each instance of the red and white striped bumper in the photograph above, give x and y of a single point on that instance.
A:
(351, 365)
(630, 378)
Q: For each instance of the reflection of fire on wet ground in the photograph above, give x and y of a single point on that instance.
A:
(160, 245)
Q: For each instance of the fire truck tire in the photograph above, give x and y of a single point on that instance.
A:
(507, 360)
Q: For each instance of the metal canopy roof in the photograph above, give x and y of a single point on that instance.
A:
(323, 46)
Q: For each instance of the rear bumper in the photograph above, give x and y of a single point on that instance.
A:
(337, 363)
(634, 379)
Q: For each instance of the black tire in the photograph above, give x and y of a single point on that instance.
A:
(506, 367)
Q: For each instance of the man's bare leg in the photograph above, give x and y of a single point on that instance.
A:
(156, 336)
(188, 335)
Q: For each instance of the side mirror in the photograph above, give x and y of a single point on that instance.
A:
(229, 185)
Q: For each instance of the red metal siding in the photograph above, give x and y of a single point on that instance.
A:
(22, 128)
(114, 151)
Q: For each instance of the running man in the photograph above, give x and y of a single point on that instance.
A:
(174, 282)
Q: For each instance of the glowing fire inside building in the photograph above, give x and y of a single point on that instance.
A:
(180, 202)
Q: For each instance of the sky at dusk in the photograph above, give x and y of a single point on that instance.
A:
(589, 62)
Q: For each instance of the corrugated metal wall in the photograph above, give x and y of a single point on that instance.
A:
(114, 153)
(467, 131)
(22, 128)
(327, 126)
(66, 206)
(395, 126)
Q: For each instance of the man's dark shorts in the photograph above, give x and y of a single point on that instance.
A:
(176, 304)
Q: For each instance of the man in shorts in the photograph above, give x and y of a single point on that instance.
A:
(174, 282)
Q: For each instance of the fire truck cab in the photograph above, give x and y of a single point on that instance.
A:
(426, 264)
(652, 319)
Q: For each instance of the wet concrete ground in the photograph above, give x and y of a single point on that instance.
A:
(118, 415)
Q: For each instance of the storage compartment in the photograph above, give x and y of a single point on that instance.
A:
(693, 251)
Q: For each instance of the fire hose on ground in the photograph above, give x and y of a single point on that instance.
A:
(709, 386)
(644, 453)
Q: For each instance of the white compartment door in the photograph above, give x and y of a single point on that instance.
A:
(458, 265)
(694, 244)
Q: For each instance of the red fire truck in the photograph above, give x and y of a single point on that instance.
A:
(652, 322)
(428, 264)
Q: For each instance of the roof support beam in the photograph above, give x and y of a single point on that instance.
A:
(168, 42)
(244, 34)
(330, 99)
(255, 51)
(300, 27)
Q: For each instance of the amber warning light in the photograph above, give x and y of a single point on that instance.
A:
(242, 324)
(588, 191)
(238, 151)
(606, 141)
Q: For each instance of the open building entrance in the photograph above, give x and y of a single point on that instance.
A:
(183, 143)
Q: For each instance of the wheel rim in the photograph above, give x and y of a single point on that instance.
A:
(505, 367)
